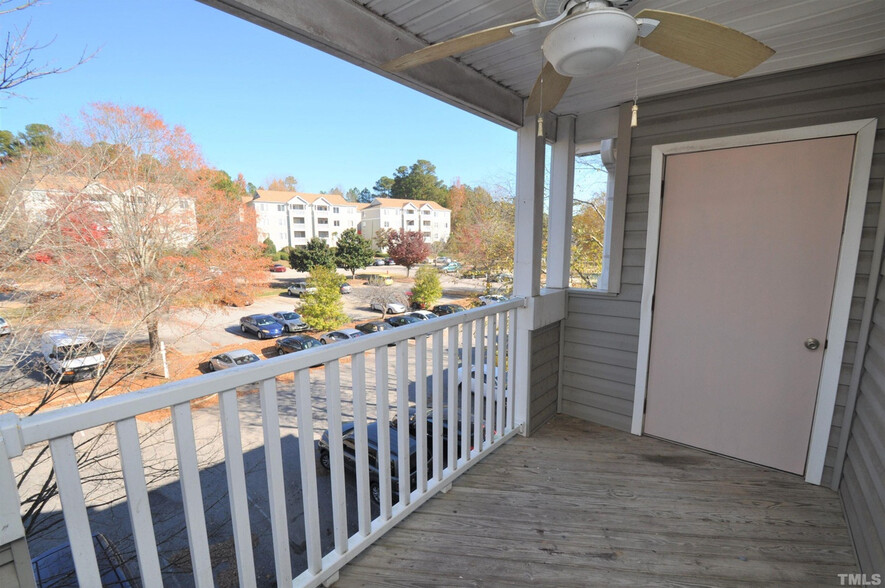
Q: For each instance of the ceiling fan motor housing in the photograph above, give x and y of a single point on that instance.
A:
(590, 42)
(550, 9)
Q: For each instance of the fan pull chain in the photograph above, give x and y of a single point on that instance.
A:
(541, 103)
(634, 115)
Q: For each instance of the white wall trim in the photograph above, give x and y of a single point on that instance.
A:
(865, 131)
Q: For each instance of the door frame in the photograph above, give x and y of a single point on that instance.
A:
(864, 131)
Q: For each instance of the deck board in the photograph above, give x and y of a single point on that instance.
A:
(580, 504)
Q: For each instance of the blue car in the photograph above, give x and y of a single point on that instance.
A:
(262, 326)
(55, 568)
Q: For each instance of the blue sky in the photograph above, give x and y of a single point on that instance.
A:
(256, 102)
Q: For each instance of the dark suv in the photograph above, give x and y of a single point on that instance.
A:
(347, 431)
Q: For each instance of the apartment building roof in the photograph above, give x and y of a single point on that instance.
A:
(282, 197)
(400, 203)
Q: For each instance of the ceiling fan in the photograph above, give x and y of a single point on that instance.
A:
(589, 36)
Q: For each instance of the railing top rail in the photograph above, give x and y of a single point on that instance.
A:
(21, 432)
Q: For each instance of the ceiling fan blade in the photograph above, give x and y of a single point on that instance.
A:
(547, 91)
(455, 46)
(703, 44)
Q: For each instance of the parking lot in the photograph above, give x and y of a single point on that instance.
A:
(192, 332)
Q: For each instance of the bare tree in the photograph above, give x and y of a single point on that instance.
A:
(18, 59)
(383, 296)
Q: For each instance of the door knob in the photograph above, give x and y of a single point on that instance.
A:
(812, 344)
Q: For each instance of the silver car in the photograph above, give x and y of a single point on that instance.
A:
(5, 329)
(291, 321)
(230, 359)
(340, 335)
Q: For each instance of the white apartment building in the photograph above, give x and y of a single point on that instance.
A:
(294, 218)
(431, 219)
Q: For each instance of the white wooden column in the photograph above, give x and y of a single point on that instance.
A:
(559, 221)
(527, 252)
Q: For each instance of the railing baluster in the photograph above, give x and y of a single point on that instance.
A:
(137, 501)
(236, 486)
(452, 398)
(336, 456)
(491, 376)
(511, 369)
(466, 385)
(382, 395)
(276, 491)
(307, 460)
(191, 494)
(501, 371)
(438, 412)
(361, 444)
(402, 416)
(73, 505)
(421, 411)
(480, 377)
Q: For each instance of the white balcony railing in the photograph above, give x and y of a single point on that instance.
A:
(433, 373)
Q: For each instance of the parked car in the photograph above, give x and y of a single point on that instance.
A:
(291, 321)
(390, 261)
(299, 288)
(262, 326)
(444, 309)
(422, 315)
(347, 430)
(388, 307)
(491, 299)
(340, 335)
(345, 288)
(278, 267)
(55, 568)
(230, 359)
(442, 260)
(296, 343)
(378, 262)
(501, 277)
(70, 357)
(5, 328)
(373, 327)
(402, 320)
(379, 280)
(413, 430)
(451, 267)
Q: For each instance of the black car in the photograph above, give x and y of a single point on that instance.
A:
(401, 320)
(444, 309)
(413, 431)
(55, 568)
(373, 327)
(296, 343)
(349, 441)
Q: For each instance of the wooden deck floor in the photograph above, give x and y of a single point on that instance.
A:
(584, 505)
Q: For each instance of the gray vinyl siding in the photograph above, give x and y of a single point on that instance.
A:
(601, 331)
(863, 473)
(545, 375)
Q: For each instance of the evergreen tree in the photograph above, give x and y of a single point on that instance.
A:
(317, 253)
(353, 251)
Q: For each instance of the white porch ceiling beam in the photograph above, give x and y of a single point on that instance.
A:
(346, 30)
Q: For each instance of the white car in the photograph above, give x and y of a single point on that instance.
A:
(340, 335)
(230, 359)
(391, 307)
(71, 357)
(491, 299)
(299, 288)
(422, 315)
(486, 384)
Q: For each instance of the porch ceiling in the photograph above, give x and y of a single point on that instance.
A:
(494, 81)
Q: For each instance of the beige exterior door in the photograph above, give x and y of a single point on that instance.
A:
(749, 244)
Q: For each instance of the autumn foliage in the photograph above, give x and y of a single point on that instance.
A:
(134, 221)
(407, 248)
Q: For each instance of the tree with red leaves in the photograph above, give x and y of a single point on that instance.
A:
(407, 248)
